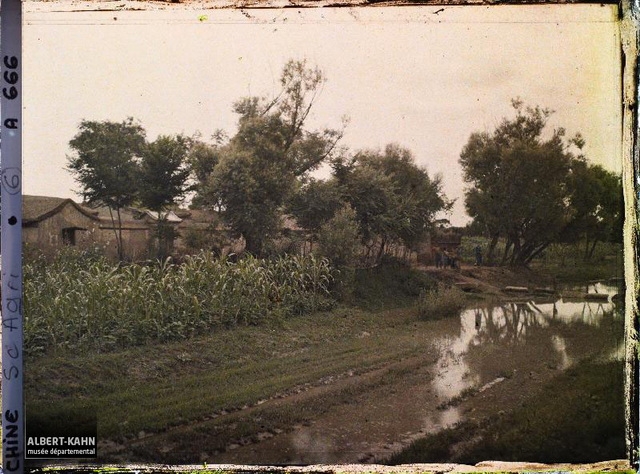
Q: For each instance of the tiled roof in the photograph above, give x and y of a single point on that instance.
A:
(37, 208)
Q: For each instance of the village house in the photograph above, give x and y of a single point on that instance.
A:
(49, 223)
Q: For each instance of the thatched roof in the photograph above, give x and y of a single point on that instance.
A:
(38, 208)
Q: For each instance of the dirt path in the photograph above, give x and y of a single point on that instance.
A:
(453, 371)
(366, 417)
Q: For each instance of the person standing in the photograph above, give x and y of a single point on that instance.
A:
(478, 253)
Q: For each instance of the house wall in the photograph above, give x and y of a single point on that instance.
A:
(136, 240)
(47, 233)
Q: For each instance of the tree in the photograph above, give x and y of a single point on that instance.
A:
(394, 199)
(259, 167)
(105, 164)
(315, 203)
(519, 183)
(598, 208)
(338, 237)
(202, 159)
(163, 174)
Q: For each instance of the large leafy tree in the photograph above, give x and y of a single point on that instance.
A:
(163, 174)
(520, 180)
(259, 167)
(105, 165)
(395, 200)
(598, 209)
(315, 203)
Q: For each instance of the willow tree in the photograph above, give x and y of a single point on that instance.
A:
(258, 168)
(519, 180)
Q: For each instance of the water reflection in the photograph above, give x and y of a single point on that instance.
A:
(555, 333)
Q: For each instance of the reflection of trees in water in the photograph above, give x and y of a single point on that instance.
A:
(511, 322)
(523, 335)
(506, 324)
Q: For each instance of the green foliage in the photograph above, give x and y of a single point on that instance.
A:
(105, 165)
(584, 423)
(76, 303)
(163, 172)
(390, 284)
(394, 199)
(520, 183)
(338, 238)
(315, 203)
(598, 207)
(116, 167)
(257, 171)
(104, 161)
(441, 302)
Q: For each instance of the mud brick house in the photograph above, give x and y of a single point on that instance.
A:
(50, 222)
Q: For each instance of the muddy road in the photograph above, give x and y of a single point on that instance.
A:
(486, 362)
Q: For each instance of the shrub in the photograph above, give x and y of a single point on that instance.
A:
(338, 238)
(441, 302)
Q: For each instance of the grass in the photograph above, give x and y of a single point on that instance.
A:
(391, 284)
(155, 386)
(564, 262)
(441, 302)
(566, 423)
(143, 388)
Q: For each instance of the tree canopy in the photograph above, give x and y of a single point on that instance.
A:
(105, 165)
(524, 183)
(394, 199)
(116, 167)
(258, 168)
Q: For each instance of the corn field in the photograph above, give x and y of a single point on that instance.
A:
(92, 304)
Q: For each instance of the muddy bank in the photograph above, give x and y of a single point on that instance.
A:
(483, 365)
(357, 384)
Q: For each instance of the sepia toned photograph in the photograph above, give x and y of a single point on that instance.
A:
(300, 236)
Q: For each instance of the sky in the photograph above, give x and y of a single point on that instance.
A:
(422, 77)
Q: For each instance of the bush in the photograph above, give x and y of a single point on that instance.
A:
(391, 284)
(338, 238)
(441, 302)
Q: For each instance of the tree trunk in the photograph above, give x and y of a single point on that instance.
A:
(536, 252)
(585, 256)
(492, 248)
(120, 243)
(593, 247)
(381, 251)
(117, 232)
(252, 246)
(505, 254)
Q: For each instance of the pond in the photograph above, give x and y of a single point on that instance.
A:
(496, 341)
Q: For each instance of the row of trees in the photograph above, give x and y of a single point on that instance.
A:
(528, 186)
(262, 173)
(117, 167)
(532, 187)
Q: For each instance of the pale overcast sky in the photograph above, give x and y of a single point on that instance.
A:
(422, 77)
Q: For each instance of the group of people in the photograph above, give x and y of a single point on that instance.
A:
(450, 259)
(447, 259)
